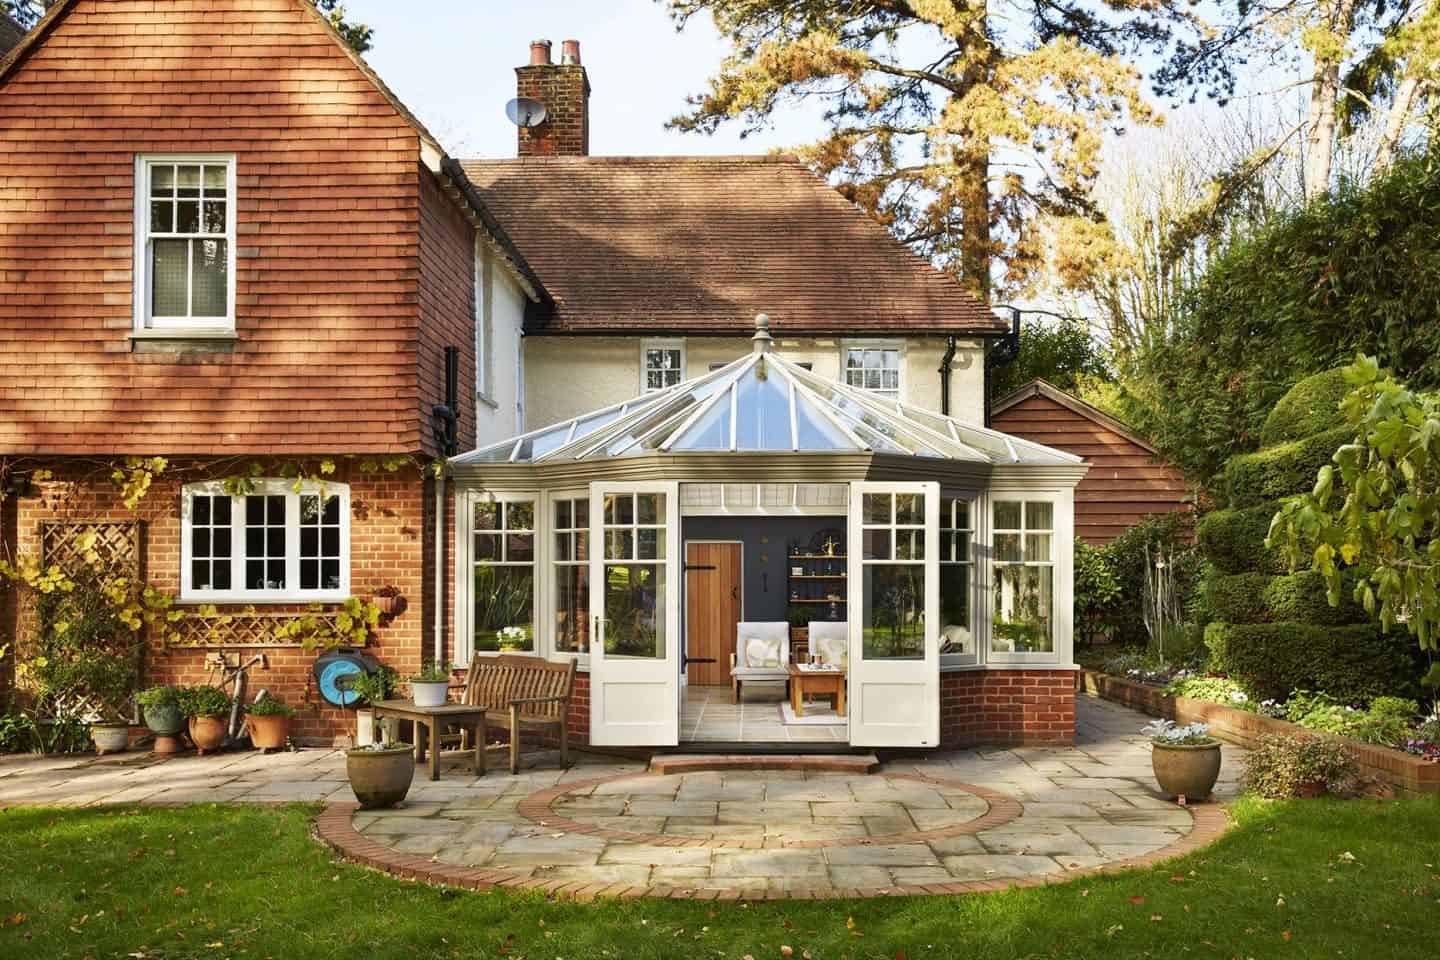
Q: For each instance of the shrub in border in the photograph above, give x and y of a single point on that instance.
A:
(1296, 598)
(1280, 767)
(1311, 406)
(1280, 471)
(1354, 664)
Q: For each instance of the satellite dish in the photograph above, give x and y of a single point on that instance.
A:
(525, 112)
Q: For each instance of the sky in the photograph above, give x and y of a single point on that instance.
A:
(452, 62)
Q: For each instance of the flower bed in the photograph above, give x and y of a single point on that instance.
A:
(1407, 773)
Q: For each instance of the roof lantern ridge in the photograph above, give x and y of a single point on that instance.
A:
(762, 340)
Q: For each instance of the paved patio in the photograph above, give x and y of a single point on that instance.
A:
(945, 822)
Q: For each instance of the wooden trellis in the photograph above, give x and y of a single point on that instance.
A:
(116, 545)
(242, 629)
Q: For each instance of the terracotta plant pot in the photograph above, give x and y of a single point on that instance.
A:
(429, 693)
(165, 721)
(208, 733)
(110, 737)
(380, 778)
(270, 732)
(1186, 771)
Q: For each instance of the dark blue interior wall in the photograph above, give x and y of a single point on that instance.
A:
(766, 540)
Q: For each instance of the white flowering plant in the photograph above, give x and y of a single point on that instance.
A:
(1166, 734)
(513, 636)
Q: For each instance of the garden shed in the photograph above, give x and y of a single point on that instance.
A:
(1128, 479)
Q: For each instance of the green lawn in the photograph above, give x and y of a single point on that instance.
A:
(1307, 879)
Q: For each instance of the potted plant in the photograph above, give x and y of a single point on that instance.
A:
(390, 601)
(431, 686)
(206, 708)
(268, 721)
(370, 688)
(513, 639)
(110, 736)
(380, 774)
(1186, 760)
(160, 706)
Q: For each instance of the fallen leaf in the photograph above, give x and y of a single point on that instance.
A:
(1137, 900)
(1285, 935)
(849, 923)
(15, 919)
(786, 951)
(179, 891)
(1156, 918)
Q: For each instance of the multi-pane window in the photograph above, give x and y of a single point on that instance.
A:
(187, 237)
(874, 368)
(664, 365)
(271, 542)
(503, 558)
(635, 551)
(571, 562)
(1024, 577)
(893, 583)
(957, 557)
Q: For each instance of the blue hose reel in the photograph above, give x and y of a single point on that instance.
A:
(333, 667)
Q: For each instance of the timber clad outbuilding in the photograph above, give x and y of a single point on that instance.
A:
(1128, 479)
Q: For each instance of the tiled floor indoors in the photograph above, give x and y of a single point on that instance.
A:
(707, 715)
(966, 817)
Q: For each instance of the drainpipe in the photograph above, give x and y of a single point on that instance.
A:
(945, 363)
(446, 418)
(440, 566)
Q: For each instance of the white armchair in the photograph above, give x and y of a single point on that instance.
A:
(830, 642)
(762, 652)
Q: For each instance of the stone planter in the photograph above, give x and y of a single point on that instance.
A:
(110, 737)
(165, 721)
(429, 693)
(380, 778)
(1184, 770)
(271, 732)
(208, 733)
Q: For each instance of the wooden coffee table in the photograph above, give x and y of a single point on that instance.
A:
(821, 683)
(433, 720)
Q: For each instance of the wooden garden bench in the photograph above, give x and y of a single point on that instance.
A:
(523, 693)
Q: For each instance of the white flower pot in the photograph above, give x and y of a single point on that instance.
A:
(430, 693)
(364, 727)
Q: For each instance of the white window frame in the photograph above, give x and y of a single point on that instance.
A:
(646, 346)
(897, 345)
(1060, 598)
(465, 500)
(551, 589)
(974, 504)
(144, 323)
(272, 487)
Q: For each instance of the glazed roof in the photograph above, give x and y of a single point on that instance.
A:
(763, 403)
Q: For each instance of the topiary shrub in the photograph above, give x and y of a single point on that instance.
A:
(1311, 407)
(1238, 597)
(1280, 471)
(1233, 541)
(1354, 664)
(1263, 598)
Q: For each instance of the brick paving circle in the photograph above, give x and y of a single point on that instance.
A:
(539, 807)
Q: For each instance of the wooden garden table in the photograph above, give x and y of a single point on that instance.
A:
(433, 720)
(816, 683)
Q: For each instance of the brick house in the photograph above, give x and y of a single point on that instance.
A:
(227, 244)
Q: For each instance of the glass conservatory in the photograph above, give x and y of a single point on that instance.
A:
(762, 525)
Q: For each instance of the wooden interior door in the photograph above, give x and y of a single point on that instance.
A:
(713, 598)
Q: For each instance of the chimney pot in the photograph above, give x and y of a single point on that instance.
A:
(570, 52)
(539, 53)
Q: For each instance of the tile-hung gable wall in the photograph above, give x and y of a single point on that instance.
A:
(326, 231)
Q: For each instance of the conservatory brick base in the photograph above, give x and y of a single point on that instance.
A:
(1007, 707)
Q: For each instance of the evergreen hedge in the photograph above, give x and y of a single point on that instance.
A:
(1233, 541)
(1261, 598)
(1312, 406)
(1281, 471)
(1354, 664)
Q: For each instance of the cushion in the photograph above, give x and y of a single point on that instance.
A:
(830, 642)
(762, 652)
(956, 639)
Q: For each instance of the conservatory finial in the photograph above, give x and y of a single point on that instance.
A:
(762, 339)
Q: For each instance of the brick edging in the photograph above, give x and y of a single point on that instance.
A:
(1000, 809)
(335, 827)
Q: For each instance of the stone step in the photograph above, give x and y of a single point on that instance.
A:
(825, 762)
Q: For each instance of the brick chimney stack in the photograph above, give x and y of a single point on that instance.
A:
(564, 89)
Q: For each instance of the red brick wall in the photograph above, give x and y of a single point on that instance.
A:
(1007, 707)
(447, 305)
(565, 91)
(390, 525)
(328, 236)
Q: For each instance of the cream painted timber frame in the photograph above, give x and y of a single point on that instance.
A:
(660, 343)
(465, 500)
(143, 324)
(899, 346)
(979, 595)
(1062, 654)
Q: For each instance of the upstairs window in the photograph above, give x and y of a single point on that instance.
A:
(662, 364)
(875, 368)
(185, 243)
(271, 543)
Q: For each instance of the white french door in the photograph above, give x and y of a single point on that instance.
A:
(894, 614)
(634, 606)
